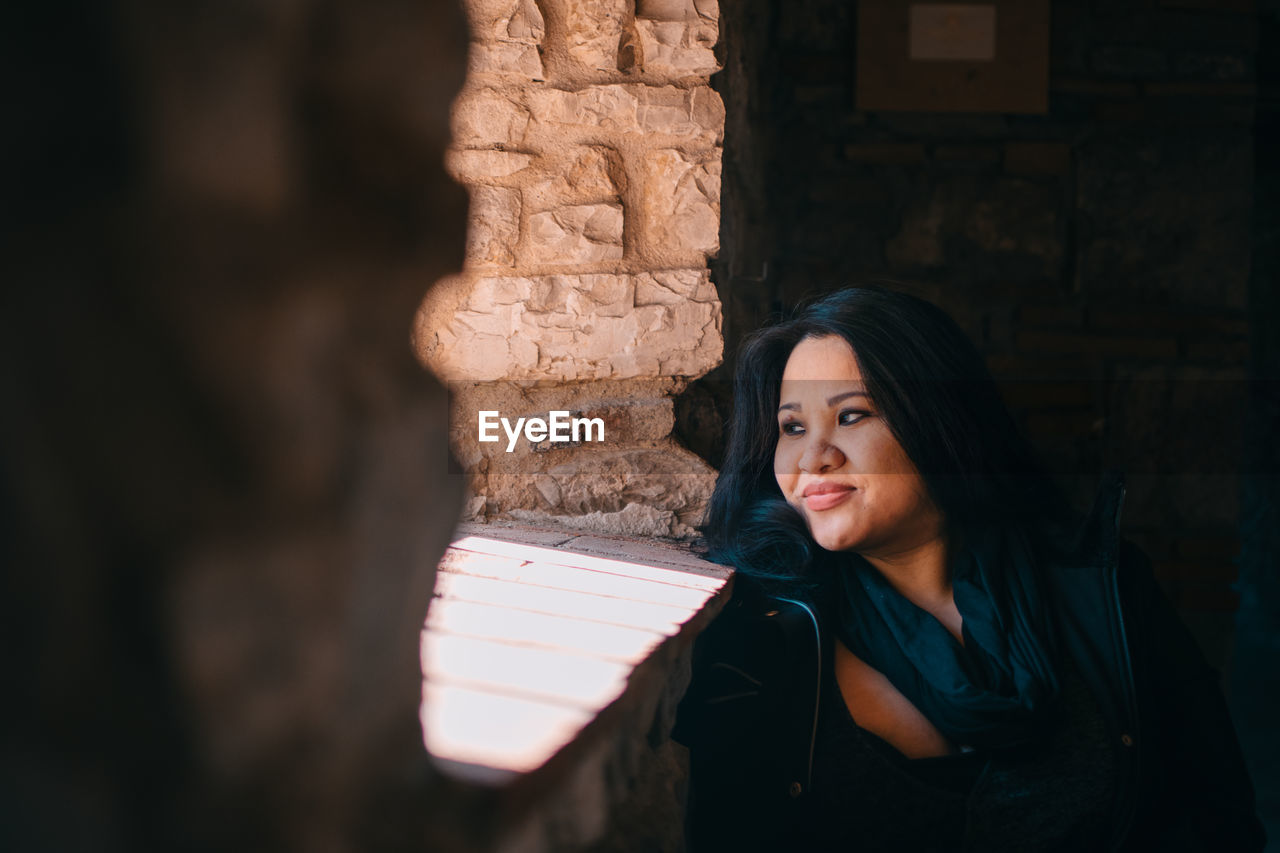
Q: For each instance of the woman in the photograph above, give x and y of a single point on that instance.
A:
(925, 651)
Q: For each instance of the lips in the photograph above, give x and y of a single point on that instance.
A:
(820, 496)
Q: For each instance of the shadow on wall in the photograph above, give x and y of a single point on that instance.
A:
(222, 467)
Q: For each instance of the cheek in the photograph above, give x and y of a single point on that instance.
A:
(899, 499)
(881, 454)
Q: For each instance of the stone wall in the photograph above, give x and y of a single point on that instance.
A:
(589, 139)
(1098, 254)
(223, 483)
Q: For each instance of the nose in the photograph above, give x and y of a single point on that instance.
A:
(819, 456)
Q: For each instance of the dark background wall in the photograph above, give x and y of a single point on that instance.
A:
(1109, 257)
(1256, 678)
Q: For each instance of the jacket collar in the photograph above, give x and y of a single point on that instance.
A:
(1097, 541)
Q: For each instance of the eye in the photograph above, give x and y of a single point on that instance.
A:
(848, 417)
(792, 428)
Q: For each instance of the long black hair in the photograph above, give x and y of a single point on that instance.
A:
(933, 390)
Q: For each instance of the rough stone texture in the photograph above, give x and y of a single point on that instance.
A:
(635, 480)
(692, 115)
(678, 48)
(506, 58)
(683, 212)
(523, 23)
(662, 477)
(594, 29)
(632, 520)
(223, 471)
(485, 118)
(573, 327)
(591, 173)
(494, 226)
(474, 166)
(578, 234)
(507, 36)
(590, 139)
(228, 477)
(658, 490)
(606, 107)
(506, 20)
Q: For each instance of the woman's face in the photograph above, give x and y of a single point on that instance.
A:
(839, 464)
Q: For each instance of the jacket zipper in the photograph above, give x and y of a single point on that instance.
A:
(817, 692)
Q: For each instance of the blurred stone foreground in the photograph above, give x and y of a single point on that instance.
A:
(223, 472)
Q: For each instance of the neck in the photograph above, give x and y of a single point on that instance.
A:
(919, 572)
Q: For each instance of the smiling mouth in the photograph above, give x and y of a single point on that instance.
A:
(820, 496)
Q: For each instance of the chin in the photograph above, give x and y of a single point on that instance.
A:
(834, 540)
(831, 534)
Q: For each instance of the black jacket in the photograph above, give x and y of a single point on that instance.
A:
(750, 714)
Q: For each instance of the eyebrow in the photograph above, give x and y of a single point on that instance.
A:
(831, 401)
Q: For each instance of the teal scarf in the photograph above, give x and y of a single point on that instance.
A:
(998, 688)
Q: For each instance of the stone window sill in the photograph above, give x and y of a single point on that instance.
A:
(547, 656)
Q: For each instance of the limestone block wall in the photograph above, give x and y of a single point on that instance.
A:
(590, 141)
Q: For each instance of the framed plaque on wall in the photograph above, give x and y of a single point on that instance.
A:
(953, 57)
